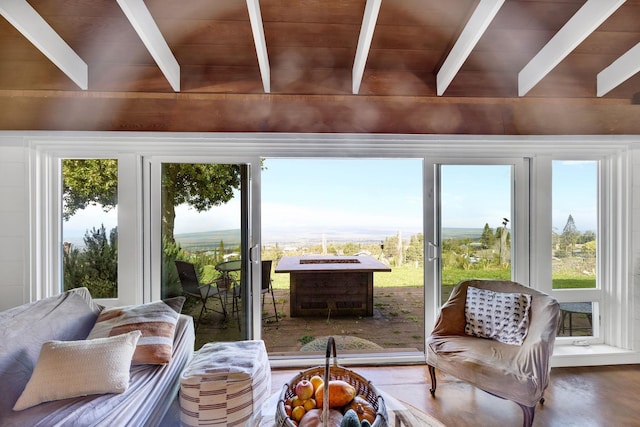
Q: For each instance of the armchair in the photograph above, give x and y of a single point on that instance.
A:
(519, 373)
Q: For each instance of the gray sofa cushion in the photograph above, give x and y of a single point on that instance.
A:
(65, 317)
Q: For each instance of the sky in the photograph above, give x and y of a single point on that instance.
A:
(333, 195)
(330, 194)
(575, 193)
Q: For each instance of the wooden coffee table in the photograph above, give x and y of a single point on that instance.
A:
(400, 414)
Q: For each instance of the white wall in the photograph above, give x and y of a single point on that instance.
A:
(635, 242)
(14, 222)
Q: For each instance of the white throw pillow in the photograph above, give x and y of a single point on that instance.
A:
(500, 316)
(79, 368)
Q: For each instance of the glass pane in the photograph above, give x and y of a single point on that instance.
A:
(89, 227)
(575, 220)
(576, 319)
(331, 217)
(202, 246)
(475, 212)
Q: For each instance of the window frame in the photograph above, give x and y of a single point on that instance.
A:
(48, 207)
(618, 280)
(519, 218)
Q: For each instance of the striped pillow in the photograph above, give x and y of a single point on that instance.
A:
(157, 322)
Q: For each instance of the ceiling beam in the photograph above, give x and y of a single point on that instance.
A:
(257, 28)
(27, 20)
(138, 14)
(579, 27)
(475, 28)
(620, 70)
(369, 20)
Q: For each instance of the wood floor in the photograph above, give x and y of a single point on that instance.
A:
(582, 397)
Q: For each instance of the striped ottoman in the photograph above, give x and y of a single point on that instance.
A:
(225, 384)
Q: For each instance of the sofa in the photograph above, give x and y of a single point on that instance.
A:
(144, 391)
(513, 361)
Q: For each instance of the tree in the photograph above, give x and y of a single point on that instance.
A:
(101, 253)
(415, 249)
(95, 268)
(89, 182)
(488, 239)
(201, 186)
(390, 250)
(587, 236)
(570, 235)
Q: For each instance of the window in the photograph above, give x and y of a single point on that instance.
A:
(574, 241)
(534, 175)
(201, 217)
(475, 216)
(89, 227)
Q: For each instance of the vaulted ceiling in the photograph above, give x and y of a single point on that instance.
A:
(401, 66)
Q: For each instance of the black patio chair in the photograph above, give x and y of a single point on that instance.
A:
(203, 291)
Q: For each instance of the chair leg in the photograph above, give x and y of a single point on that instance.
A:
(432, 373)
(224, 302)
(200, 316)
(275, 309)
(236, 302)
(528, 412)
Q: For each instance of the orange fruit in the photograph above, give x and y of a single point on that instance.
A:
(316, 380)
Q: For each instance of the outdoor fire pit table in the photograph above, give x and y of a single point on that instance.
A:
(323, 285)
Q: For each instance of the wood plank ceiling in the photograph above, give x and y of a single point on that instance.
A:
(401, 66)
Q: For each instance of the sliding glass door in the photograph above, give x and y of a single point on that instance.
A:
(480, 223)
(344, 236)
(201, 243)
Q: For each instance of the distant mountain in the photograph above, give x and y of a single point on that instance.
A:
(461, 233)
(206, 240)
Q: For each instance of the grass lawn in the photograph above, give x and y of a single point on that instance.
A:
(407, 276)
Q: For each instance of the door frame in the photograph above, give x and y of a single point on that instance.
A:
(250, 230)
(520, 229)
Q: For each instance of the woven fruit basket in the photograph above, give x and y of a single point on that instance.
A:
(364, 390)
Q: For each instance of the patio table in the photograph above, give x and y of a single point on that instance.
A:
(331, 285)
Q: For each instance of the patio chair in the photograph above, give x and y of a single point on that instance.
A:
(515, 367)
(267, 288)
(203, 291)
(229, 283)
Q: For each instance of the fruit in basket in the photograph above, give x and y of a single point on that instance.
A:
(340, 393)
(296, 401)
(313, 418)
(350, 419)
(304, 389)
(287, 410)
(309, 404)
(363, 408)
(316, 380)
(298, 413)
